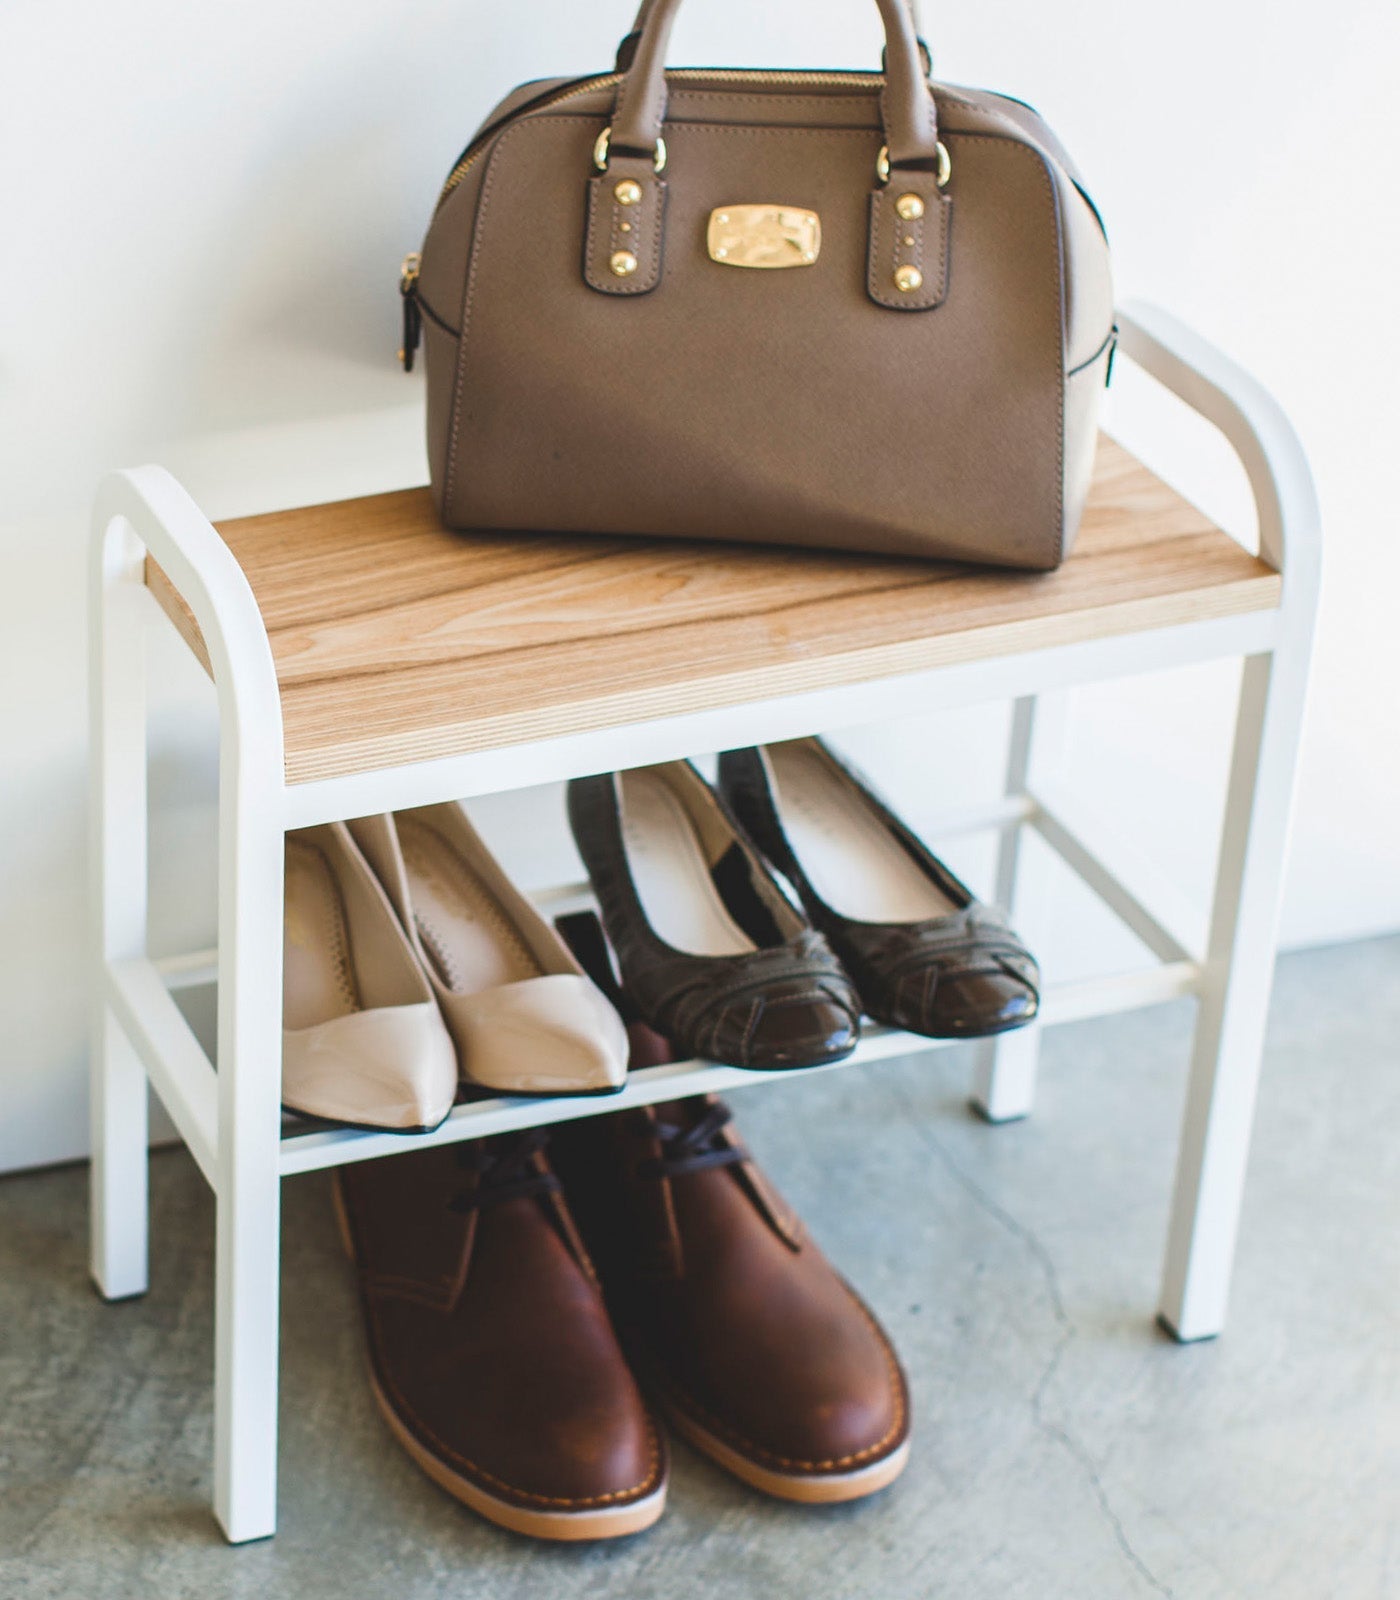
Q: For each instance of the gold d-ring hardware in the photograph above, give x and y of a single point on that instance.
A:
(600, 152)
(945, 165)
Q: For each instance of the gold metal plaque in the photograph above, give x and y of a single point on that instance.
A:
(764, 236)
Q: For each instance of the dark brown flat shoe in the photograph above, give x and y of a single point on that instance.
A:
(491, 1354)
(759, 1353)
(925, 954)
(713, 954)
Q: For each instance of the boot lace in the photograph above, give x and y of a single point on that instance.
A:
(505, 1170)
(696, 1148)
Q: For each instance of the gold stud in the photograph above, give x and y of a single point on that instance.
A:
(628, 193)
(910, 207)
(624, 264)
(907, 279)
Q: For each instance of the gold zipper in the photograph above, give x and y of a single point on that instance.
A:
(703, 74)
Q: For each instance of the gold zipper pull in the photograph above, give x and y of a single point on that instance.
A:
(412, 316)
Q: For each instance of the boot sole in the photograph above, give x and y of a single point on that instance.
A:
(569, 1527)
(607, 1522)
(806, 1488)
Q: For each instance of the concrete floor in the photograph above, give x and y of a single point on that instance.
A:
(1064, 1447)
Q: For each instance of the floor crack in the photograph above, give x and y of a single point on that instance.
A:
(1052, 1428)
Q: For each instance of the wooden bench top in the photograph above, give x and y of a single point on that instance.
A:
(395, 641)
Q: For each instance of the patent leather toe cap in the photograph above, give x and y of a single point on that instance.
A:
(980, 1003)
(802, 1031)
(960, 977)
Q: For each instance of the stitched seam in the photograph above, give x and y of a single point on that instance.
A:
(756, 130)
(590, 245)
(658, 225)
(1056, 539)
(917, 234)
(564, 1501)
(600, 279)
(397, 1283)
(1057, 533)
(731, 1434)
(932, 295)
(945, 220)
(876, 289)
(468, 292)
(615, 217)
(1042, 162)
(952, 967)
(597, 271)
(750, 1024)
(705, 96)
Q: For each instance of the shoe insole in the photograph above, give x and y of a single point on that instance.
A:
(670, 871)
(463, 928)
(853, 861)
(318, 980)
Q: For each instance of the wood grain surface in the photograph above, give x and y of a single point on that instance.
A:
(396, 641)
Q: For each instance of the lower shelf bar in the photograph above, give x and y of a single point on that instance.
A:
(194, 970)
(1124, 991)
(1110, 889)
(174, 1060)
(333, 1147)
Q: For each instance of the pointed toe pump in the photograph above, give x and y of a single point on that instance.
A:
(362, 1039)
(925, 954)
(713, 955)
(524, 1017)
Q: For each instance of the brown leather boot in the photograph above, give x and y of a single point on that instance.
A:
(491, 1353)
(757, 1351)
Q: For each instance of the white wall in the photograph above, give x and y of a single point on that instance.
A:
(203, 208)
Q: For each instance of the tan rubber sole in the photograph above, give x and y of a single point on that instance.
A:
(604, 1522)
(827, 1488)
(569, 1527)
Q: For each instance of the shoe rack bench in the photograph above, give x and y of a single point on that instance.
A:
(366, 661)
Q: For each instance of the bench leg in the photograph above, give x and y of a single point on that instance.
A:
(247, 1246)
(1005, 1071)
(1234, 1003)
(118, 1092)
(245, 1356)
(118, 1174)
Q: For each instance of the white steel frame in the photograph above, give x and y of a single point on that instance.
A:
(231, 1119)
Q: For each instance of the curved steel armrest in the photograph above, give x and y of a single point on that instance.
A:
(1253, 422)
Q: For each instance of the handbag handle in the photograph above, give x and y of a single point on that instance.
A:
(907, 107)
(627, 50)
(907, 255)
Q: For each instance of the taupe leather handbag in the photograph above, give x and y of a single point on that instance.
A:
(839, 309)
